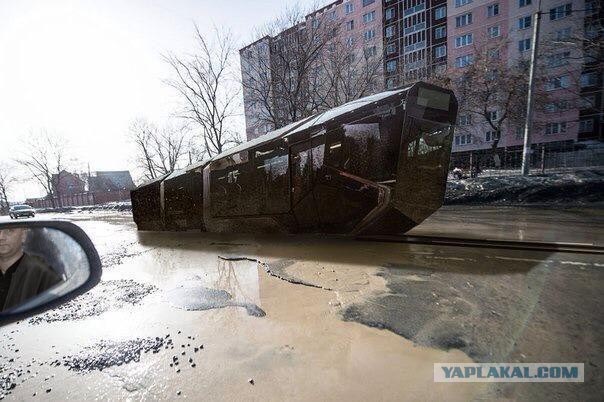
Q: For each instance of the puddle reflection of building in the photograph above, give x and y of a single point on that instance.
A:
(240, 279)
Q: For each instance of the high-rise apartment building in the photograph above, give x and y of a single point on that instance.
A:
(421, 39)
(255, 62)
(504, 28)
(415, 40)
(351, 30)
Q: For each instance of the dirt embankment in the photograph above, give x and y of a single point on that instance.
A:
(579, 187)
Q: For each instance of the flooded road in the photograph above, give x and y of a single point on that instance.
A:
(229, 317)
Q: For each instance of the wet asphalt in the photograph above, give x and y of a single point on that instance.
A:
(144, 331)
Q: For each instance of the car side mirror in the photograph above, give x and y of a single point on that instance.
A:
(43, 264)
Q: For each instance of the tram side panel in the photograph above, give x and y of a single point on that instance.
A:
(239, 195)
(183, 201)
(146, 208)
(359, 166)
(425, 152)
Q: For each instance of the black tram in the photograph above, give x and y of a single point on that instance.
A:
(377, 165)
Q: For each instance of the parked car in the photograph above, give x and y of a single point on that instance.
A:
(19, 211)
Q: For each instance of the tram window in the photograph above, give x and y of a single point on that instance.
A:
(333, 147)
(426, 137)
(230, 160)
(334, 151)
(271, 183)
(433, 99)
(361, 139)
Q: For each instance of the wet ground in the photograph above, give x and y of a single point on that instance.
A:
(219, 317)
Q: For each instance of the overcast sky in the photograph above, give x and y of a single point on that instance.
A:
(85, 69)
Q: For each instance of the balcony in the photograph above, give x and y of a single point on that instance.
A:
(415, 46)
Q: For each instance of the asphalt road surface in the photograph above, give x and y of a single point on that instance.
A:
(231, 317)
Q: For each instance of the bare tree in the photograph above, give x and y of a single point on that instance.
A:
(345, 71)
(159, 150)
(45, 158)
(206, 84)
(7, 178)
(277, 75)
(301, 65)
(492, 93)
(579, 54)
(141, 135)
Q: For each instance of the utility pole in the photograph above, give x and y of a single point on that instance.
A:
(526, 152)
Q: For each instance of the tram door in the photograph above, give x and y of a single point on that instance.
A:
(306, 159)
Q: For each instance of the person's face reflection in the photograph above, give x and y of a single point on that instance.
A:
(11, 241)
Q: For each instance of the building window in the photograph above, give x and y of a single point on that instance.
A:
(555, 128)
(465, 119)
(463, 20)
(390, 83)
(391, 66)
(563, 34)
(553, 107)
(524, 44)
(557, 60)
(440, 12)
(562, 81)
(522, 3)
(493, 10)
(560, 12)
(440, 51)
(492, 115)
(463, 139)
(464, 61)
(390, 13)
(592, 31)
(350, 41)
(369, 17)
(493, 53)
(464, 40)
(390, 48)
(390, 31)
(492, 75)
(587, 102)
(591, 8)
(494, 31)
(589, 79)
(524, 22)
(586, 126)
(370, 52)
(440, 32)
(348, 7)
(350, 25)
(491, 136)
(369, 34)
(333, 15)
(368, 2)
(459, 3)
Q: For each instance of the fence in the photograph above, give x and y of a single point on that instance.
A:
(80, 199)
(509, 162)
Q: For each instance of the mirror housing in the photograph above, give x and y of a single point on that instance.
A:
(62, 245)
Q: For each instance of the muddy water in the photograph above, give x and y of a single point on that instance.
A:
(299, 349)
(323, 299)
(530, 223)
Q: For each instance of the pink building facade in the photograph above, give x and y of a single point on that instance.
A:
(507, 25)
(357, 24)
(417, 38)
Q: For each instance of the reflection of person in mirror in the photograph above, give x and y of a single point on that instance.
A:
(22, 276)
